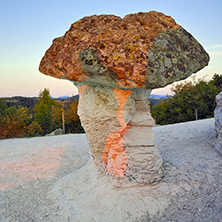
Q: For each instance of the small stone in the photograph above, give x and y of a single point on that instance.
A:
(218, 123)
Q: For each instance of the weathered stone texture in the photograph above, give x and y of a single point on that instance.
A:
(115, 63)
(121, 139)
(174, 55)
(218, 123)
(147, 50)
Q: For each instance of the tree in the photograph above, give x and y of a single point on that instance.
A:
(14, 122)
(72, 121)
(189, 96)
(34, 129)
(57, 110)
(43, 111)
(3, 107)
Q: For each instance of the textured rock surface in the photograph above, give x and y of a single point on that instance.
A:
(46, 179)
(218, 123)
(115, 63)
(121, 138)
(146, 50)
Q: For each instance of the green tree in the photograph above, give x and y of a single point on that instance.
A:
(43, 111)
(72, 121)
(3, 107)
(57, 110)
(189, 96)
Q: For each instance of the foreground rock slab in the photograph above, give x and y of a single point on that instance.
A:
(115, 63)
(190, 161)
(71, 190)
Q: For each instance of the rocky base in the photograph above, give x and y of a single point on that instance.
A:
(86, 191)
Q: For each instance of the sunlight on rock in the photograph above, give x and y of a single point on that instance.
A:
(41, 165)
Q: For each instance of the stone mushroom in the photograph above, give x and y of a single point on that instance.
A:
(115, 63)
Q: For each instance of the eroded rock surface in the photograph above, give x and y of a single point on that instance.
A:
(118, 126)
(218, 123)
(69, 190)
(115, 63)
(147, 50)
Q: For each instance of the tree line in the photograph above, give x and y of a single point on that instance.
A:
(43, 119)
(191, 99)
(17, 101)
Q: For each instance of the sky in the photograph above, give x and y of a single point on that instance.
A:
(28, 27)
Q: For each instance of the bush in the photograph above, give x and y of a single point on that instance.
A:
(188, 97)
(34, 129)
(14, 122)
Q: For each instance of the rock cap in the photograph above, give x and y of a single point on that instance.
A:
(142, 50)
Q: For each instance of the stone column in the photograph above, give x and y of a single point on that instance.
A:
(118, 126)
(145, 162)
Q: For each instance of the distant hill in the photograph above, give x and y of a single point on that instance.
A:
(30, 102)
(17, 101)
(76, 97)
(156, 98)
(64, 100)
(61, 97)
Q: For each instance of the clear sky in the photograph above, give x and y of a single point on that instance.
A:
(27, 28)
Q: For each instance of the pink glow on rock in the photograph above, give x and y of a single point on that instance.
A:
(40, 165)
(114, 156)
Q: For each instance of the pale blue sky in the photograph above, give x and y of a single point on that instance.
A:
(28, 27)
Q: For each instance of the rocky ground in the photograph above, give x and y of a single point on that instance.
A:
(195, 141)
(29, 168)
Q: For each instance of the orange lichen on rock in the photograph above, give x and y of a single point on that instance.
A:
(81, 90)
(120, 44)
(114, 156)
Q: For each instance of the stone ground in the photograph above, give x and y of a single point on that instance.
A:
(30, 167)
(205, 203)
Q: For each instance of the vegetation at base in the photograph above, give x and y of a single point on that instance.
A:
(38, 120)
(188, 96)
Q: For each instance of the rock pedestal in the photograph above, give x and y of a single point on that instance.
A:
(115, 63)
(218, 123)
(118, 126)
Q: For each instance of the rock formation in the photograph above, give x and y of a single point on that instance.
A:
(218, 123)
(115, 63)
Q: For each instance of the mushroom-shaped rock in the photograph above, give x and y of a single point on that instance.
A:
(115, 63)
